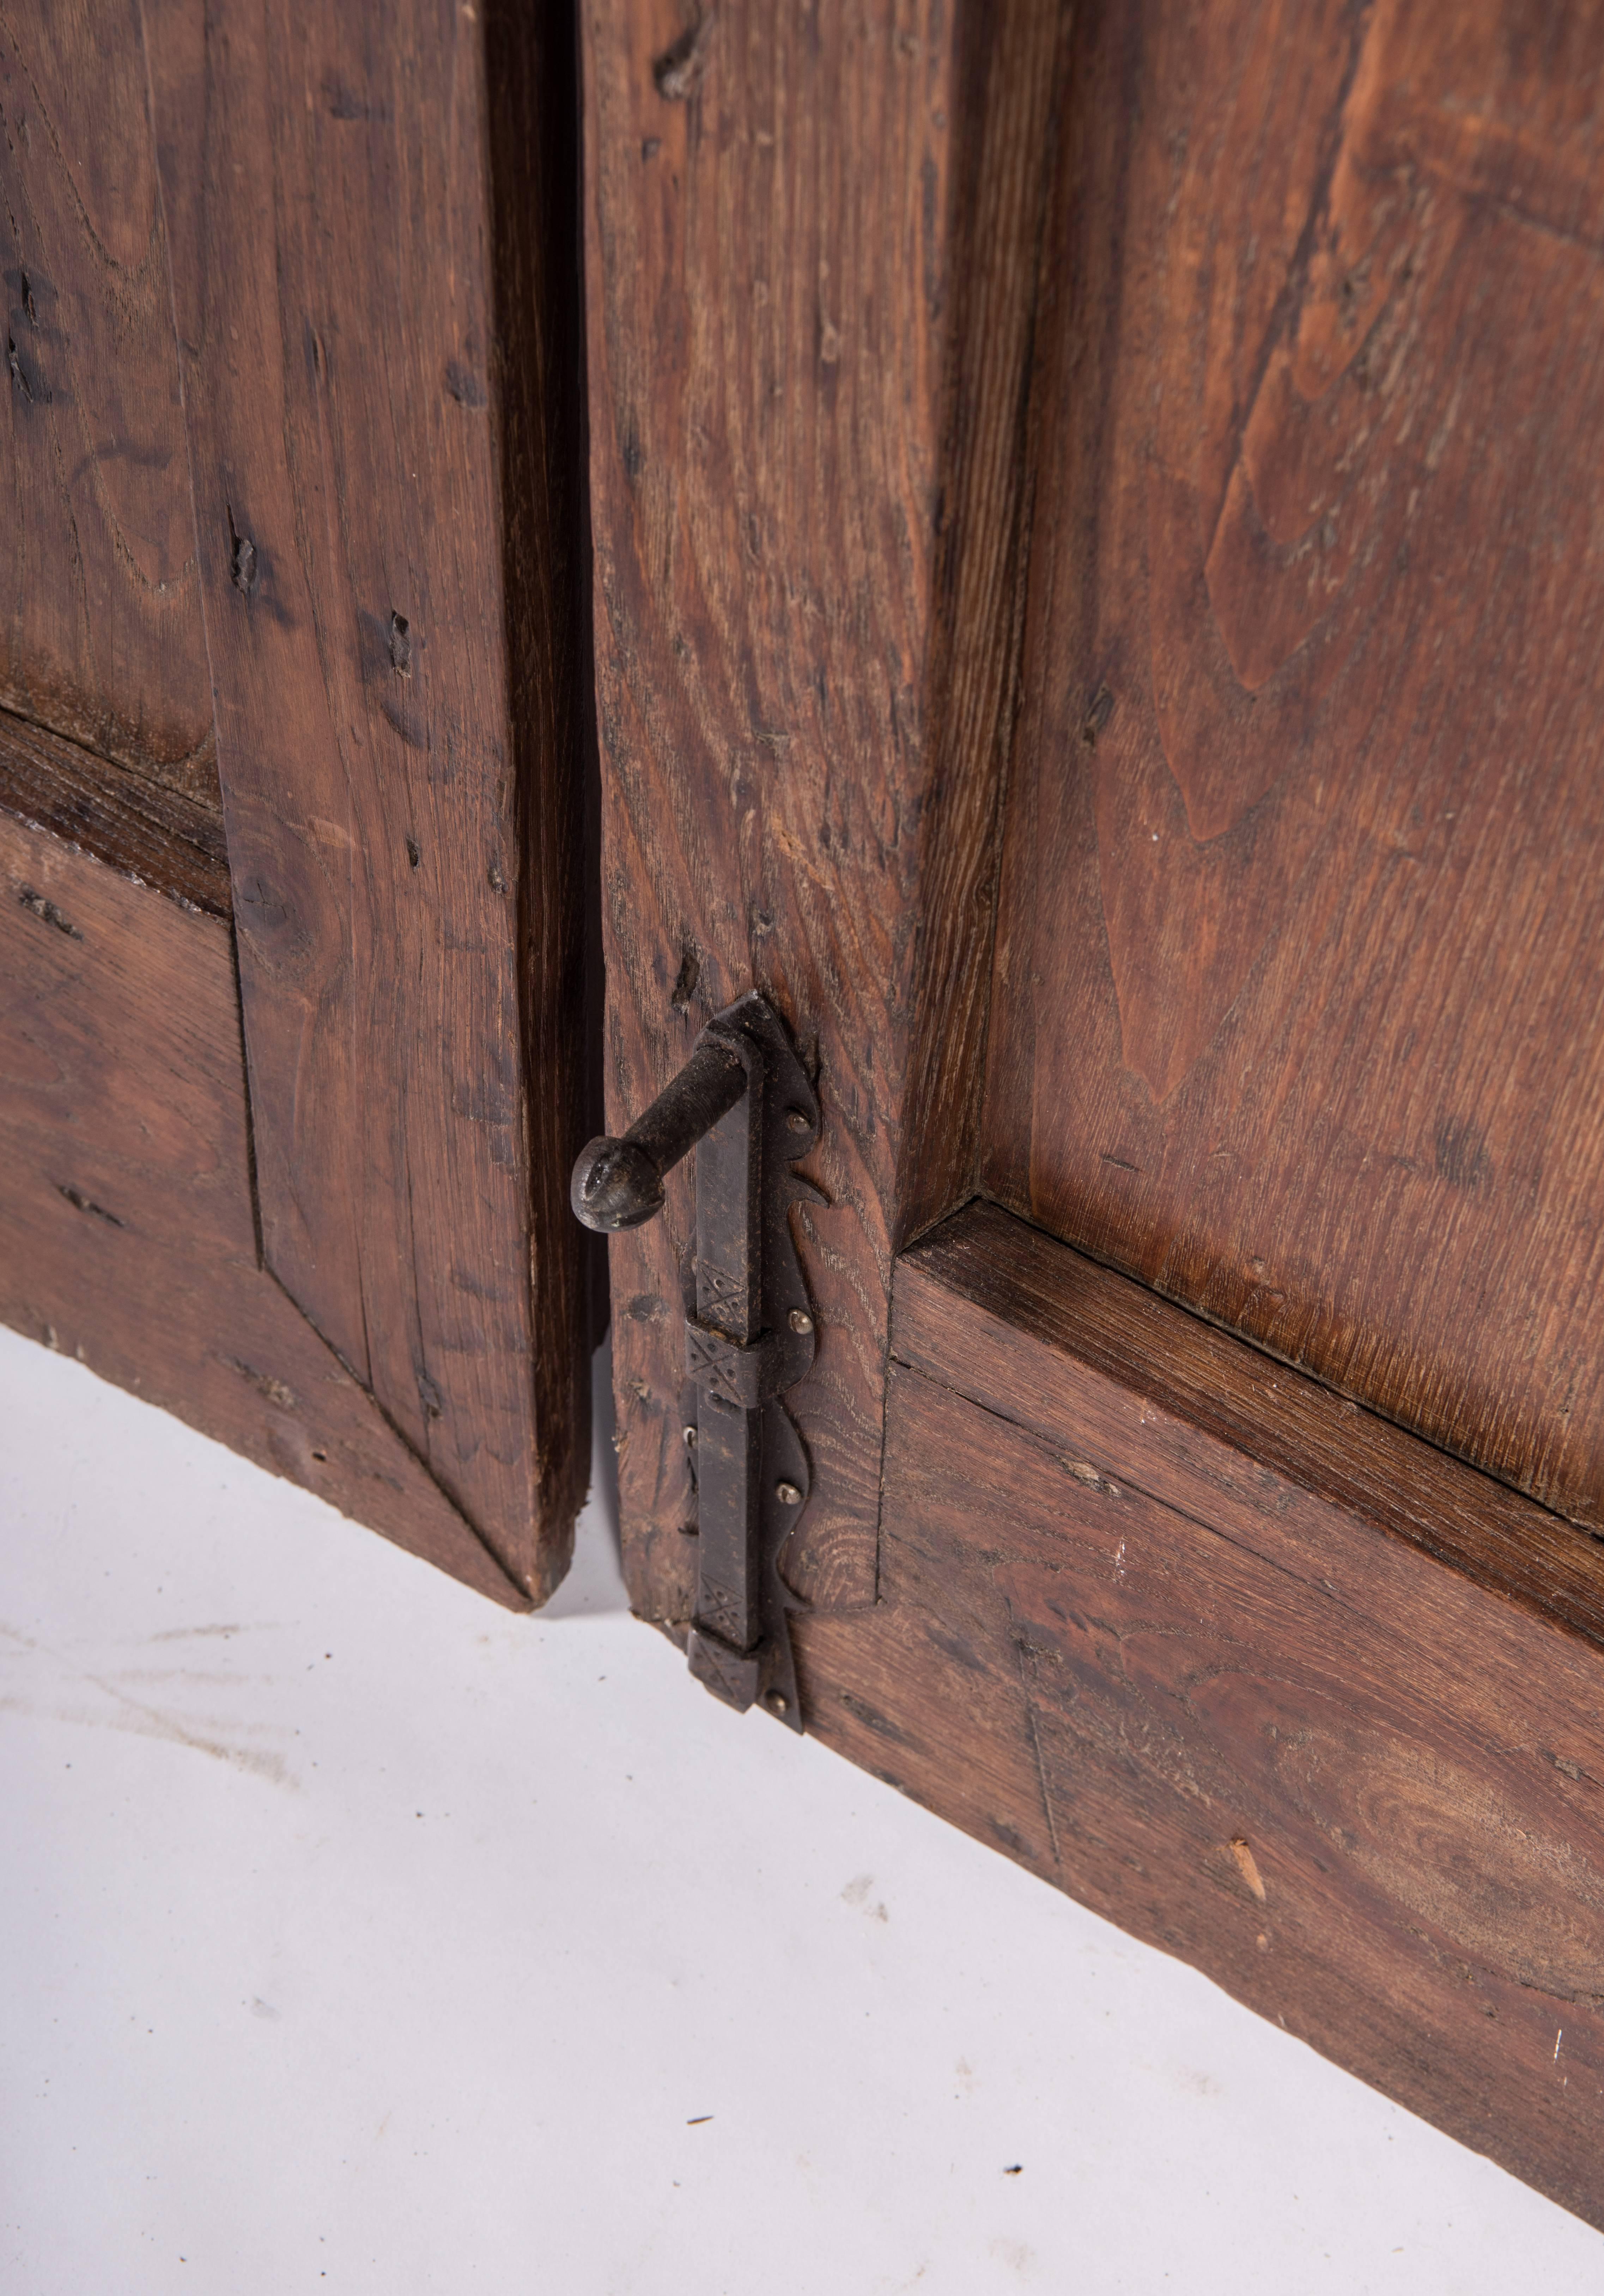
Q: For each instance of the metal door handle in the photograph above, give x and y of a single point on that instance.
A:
(743, 1103)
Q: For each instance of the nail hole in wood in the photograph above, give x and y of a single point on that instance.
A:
(13, 361)
(83, 1203)
(243, 568)
(685, 979)
(47, 912)
(1099, 712)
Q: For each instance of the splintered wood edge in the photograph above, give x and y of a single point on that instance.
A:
(996, 1310)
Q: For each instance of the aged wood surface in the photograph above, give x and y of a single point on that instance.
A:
(372, 236)
(142, 827)
(1300, 984)
(101, 634)
(1043, 1327)
(126, 1235)
(1180, 1631)
(799, 226)
(1009, 76)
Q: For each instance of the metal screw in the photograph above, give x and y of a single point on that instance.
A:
(800, 1320)
(690, 1437)
(787, 1494)
(778, 1702)
(798, 1121)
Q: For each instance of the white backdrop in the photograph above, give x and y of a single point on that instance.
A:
(353, 1934)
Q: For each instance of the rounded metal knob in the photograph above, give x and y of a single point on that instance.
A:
(615, 1185)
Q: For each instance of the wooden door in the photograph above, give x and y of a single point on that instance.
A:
(291, 1045)
(1092, 596)
(1095, 586)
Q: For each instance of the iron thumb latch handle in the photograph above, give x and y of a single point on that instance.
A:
(743, 1103)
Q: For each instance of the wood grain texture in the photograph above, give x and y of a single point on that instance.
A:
(126, 1235)
(800, 475)
(1046, 1330)
(101, 634)
(383, 415)
(1298, 998)
(1204, 1646)
(1009, 77)
(141, 827)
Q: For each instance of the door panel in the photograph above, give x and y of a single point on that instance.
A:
(100, 635)
(358, 404)
(1298, 993)
(126, 1229)
(1222, 1656)
(1139, 453)
(295, 301)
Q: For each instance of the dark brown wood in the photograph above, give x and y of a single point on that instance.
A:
(807, 507)
(100, 635)
(1210, 521)
(371, 217)
(126, 1235)
(1300, 980)
(1053, 1340)
(142, 827)
(1229, 1660)
(1010, 81)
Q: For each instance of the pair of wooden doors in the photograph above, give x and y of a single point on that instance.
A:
(1065, 541)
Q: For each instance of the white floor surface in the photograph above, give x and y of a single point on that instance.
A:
(354, 1935)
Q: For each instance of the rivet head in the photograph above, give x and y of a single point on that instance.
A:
(778, 1702)
(787, 1494)
(690, 1437)
(800, 1320)
(798, 1122)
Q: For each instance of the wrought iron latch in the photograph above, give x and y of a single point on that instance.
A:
(744, 1102)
